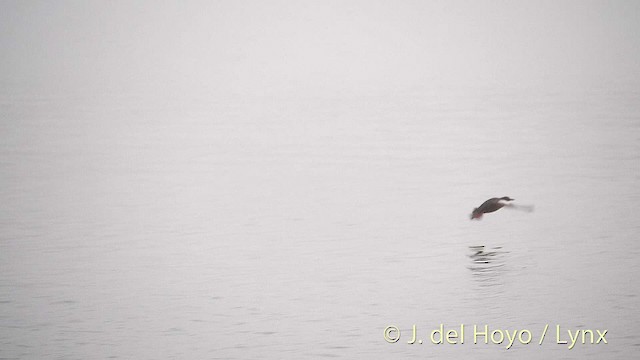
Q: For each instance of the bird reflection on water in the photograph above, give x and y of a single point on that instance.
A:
(487, 265)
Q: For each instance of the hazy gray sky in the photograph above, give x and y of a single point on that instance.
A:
(293, 47)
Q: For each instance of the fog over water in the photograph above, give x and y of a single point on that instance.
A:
(273, 179)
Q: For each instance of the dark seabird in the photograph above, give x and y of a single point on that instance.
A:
(491, 205)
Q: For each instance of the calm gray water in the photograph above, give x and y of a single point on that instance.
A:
(139, 227)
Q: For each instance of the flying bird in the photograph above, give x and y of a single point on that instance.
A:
(489, 206)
